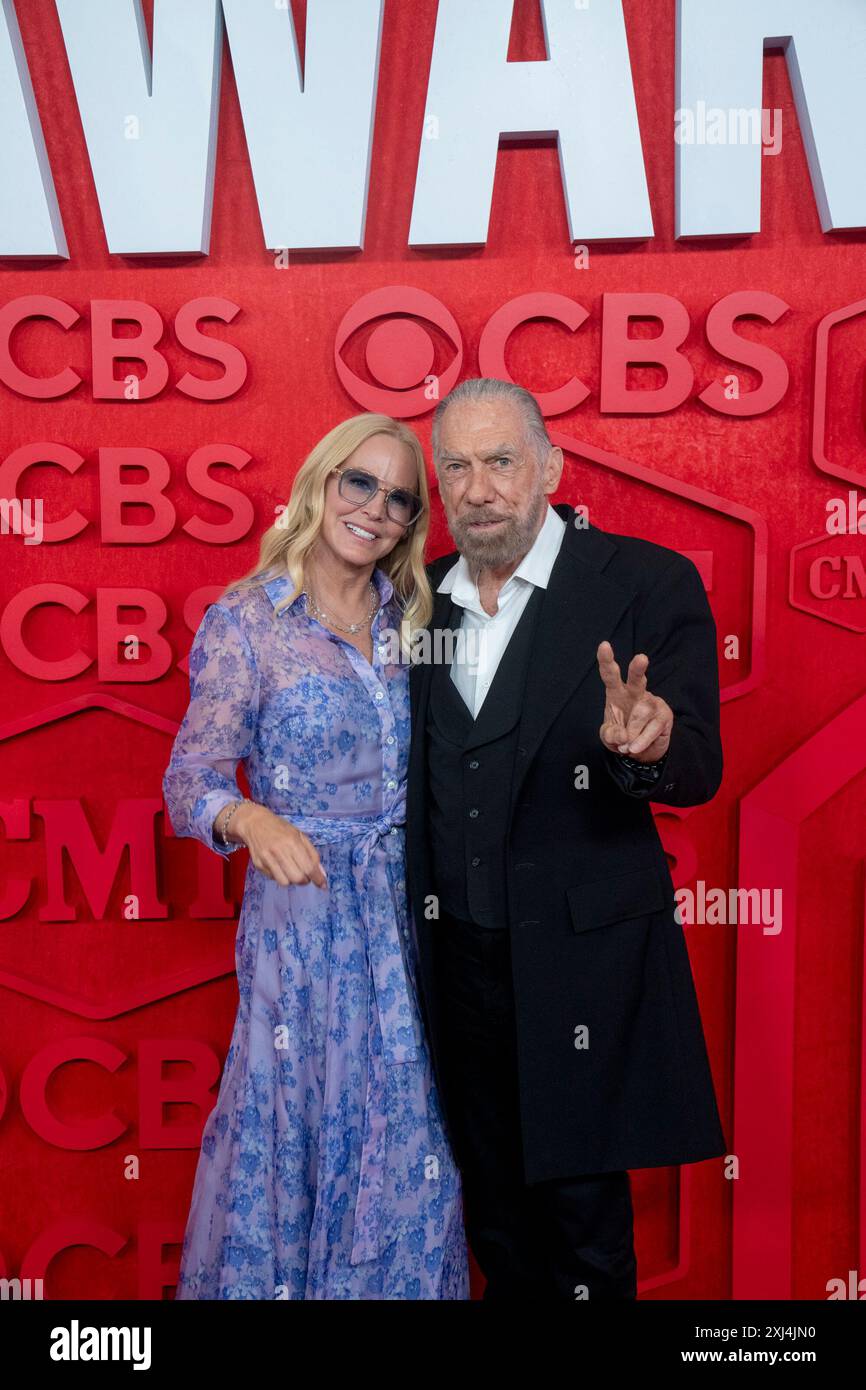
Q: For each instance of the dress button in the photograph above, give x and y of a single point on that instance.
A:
(474, 812)
(390, 738)
(391, 786)
(380, 695)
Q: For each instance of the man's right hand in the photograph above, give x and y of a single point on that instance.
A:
(277, 848)
(635, 722)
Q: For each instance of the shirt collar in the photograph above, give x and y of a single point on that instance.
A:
(534, 568)
(280, 588)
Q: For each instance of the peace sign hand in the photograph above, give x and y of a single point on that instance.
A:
(635, 722)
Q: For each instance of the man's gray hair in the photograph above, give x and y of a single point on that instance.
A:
(485, 388)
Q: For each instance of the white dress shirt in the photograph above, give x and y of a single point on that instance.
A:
(485, 638)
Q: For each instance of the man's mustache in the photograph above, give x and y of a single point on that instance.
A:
(468, 517)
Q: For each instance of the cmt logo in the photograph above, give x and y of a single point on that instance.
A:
(827, 579)
(113, 863)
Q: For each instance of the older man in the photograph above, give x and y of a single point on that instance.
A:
(554, 975)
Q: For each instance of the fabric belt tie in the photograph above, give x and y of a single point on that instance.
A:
(393, 1035)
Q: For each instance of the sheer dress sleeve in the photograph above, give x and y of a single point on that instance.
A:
(217, 731)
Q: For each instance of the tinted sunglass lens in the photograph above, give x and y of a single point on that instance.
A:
(357, 487)
(403, 507)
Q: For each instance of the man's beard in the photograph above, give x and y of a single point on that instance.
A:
(509, 543)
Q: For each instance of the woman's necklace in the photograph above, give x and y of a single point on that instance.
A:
(323, 617)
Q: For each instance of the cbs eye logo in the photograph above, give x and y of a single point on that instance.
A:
(399, 354)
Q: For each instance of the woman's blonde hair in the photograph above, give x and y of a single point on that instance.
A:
(286, 544)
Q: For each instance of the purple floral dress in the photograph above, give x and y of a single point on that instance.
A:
(324, 1170)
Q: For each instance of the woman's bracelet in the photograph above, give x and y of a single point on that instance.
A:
(223, 833)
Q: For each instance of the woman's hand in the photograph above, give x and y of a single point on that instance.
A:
(277, 848)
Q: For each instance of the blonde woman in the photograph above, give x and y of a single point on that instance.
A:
(324, 1170)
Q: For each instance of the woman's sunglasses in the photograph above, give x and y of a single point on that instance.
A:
(359, 487)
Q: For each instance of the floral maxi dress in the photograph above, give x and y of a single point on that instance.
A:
(324, 1170)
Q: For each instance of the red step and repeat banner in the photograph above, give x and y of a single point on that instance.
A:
(737, 438)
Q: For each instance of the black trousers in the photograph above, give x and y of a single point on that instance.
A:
(561, 1239)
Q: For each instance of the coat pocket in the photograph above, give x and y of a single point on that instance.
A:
(615, 898)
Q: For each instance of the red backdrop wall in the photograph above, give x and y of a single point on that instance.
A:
(114, 1028)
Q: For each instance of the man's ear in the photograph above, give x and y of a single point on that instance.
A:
(553, 469)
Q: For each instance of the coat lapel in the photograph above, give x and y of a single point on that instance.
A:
(581, 608)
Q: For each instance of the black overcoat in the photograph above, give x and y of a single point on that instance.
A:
(613, 1070)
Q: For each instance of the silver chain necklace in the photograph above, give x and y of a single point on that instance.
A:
(323, 617)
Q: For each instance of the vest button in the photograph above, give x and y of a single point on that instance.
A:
(474, 812)
(475, 862)
(474, 763)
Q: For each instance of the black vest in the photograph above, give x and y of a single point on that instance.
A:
(470, 763)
